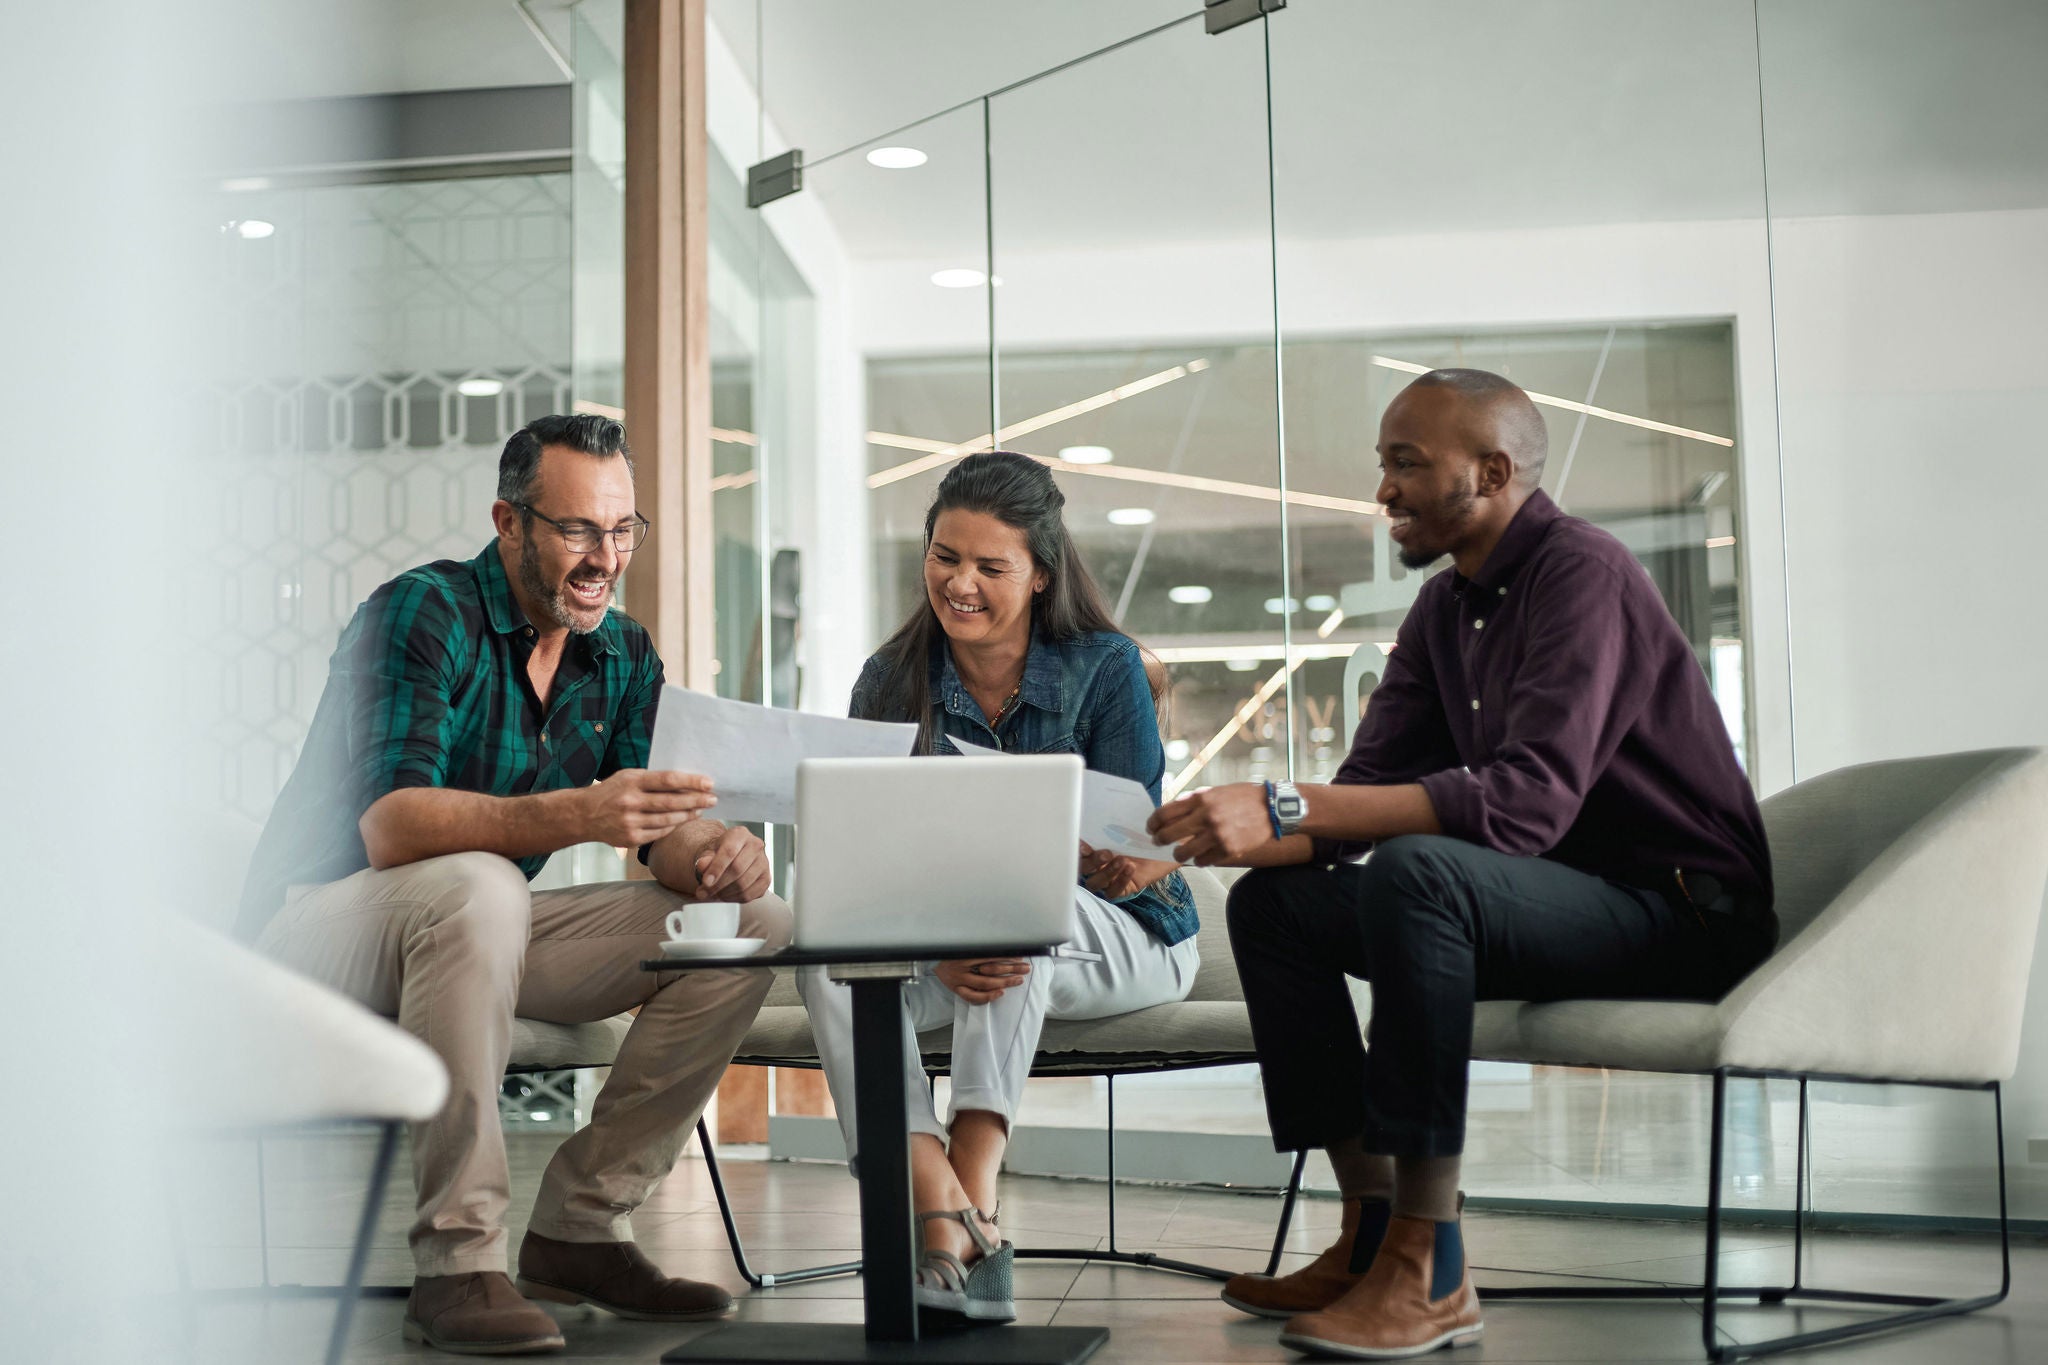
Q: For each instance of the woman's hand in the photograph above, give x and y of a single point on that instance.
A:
(1116, 876)
(981, 981)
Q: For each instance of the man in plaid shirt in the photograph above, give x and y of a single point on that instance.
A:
(478, 716)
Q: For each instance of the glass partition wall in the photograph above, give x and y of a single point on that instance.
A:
(1190, 270)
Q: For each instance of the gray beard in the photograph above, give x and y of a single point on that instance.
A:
(554, 599)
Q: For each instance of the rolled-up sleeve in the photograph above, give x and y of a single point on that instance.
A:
(402, 652)
(1578, 689)
(1401, 737)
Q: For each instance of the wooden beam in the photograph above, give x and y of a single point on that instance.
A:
(668, 331)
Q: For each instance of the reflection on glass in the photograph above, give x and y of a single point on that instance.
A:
(384, 352)
(905, 227)
(1169, 424)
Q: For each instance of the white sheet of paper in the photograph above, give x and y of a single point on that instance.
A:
(1113, 810)
(751, 752)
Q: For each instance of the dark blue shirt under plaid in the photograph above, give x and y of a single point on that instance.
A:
(428, 688)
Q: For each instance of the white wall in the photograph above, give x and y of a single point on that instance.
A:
(1913, 375)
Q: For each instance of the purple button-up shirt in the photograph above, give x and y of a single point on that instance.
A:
(1551, 708)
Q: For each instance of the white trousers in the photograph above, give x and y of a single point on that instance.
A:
(993, 1044)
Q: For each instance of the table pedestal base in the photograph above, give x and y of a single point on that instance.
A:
(806, 1343)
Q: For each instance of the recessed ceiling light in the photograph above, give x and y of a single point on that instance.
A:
(1130, 516)
(1240, 665)
(480, 388)
(1322, 601)
(1189, 594)
(897, 158)
(958, 279)
(1282, 606)
(1087, 454)
(250, 229)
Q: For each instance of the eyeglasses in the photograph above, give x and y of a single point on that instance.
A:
(582, 537)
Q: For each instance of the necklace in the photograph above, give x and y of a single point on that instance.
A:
(1008, 702)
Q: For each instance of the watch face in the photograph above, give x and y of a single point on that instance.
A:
(1290, 807)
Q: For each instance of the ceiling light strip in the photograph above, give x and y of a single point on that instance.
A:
(1210, 654)
(891, 439)
(988, 440)
(1551, 400)
(1215, 745)
(1168, 479)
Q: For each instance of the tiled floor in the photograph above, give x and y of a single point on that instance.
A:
(799, 1214)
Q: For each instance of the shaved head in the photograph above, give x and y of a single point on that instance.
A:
(1497, 415)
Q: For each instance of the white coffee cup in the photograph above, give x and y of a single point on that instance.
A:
(712, 919)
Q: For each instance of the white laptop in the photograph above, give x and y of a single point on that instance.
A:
(924, 854)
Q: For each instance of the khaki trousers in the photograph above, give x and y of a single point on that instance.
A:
(455, 947)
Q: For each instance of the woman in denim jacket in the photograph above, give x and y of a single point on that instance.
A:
(1012, 649)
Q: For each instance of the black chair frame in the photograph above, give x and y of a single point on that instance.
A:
(352, 1289)
(1910, 1308)
(1064, 1066)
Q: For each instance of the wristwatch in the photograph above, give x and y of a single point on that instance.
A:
(1287, 806)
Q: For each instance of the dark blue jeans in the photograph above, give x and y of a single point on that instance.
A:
(1436, 924)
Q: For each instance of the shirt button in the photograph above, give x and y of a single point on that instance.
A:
(1479, 625)
(544, 734)
(529, 632)
(1475, 703)
(600, 727)
(1503, 592)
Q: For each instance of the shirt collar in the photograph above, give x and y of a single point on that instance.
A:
(1044, 684)
(507, 617)
(1525, 532)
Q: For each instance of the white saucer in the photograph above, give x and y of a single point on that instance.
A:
(711, 947)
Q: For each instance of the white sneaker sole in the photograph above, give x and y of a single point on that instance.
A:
(1462, 1336)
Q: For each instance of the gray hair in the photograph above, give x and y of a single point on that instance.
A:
(519, 466)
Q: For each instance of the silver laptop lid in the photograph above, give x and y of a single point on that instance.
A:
(931, 853)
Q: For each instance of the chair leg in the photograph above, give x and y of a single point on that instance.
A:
(366, 1231)
(1287, 1211)
(262, 1213)
(732, 1232)
(1801, 1167)
(1150, 1260)
(1913, 1308)
(1109, 1156)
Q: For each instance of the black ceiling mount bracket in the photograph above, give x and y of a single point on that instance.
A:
(776, 178)
(1223, 15)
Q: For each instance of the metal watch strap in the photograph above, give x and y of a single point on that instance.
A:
(1289, 808)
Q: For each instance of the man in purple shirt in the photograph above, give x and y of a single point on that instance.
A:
(1554, 811)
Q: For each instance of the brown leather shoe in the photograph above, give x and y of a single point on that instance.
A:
(479, 1314)
(1417, 1296)
(1322, 1281)
(614, 1276)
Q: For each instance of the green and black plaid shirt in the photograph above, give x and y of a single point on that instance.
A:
(428, 688)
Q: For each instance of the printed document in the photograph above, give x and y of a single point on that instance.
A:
(1113, 810)
(751, 752)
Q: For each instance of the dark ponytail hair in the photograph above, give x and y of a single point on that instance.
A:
(1018, 491)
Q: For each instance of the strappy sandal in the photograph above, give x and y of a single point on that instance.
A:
(983, 1291)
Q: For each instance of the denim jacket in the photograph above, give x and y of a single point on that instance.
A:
(1086, 696)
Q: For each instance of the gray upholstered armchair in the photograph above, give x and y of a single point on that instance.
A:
(1909, 892)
